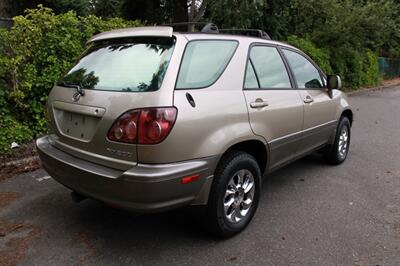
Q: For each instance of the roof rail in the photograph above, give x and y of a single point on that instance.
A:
(247, 32)
(208, 27)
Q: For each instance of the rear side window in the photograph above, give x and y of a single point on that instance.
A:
(135, 65)
(306, 74)
(204, 62)
(251, 81)
(269, 68)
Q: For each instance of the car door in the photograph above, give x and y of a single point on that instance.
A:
(319, 107)
(275, 106)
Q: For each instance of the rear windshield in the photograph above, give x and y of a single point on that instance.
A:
(135, 65)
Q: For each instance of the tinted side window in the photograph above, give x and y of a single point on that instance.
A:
(269, 67)
(203, 63)
(307, 76)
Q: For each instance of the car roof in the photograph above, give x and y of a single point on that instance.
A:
(167, 31)
(157, 31)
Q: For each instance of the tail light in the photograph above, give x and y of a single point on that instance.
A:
(143, 126)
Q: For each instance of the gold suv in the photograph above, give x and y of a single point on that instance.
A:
(150, 119)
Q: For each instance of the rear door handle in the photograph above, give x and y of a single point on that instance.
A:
(308, 99)
(259, 103)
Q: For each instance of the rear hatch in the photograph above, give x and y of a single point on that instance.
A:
(113, 76)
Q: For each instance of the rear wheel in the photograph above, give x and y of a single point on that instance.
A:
(337, 153)
(234, 195)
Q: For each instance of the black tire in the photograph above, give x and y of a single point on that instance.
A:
(232, 163)
(333, 155)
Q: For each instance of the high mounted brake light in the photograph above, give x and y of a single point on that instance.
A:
(143, 126)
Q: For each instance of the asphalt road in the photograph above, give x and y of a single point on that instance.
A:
(309, 214)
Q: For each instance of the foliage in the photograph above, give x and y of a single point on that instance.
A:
(35, 53)
(106, 8)
(320, 56)
(344, 23)
(357, 68)
(240, 14)
(81, 7)
(342, 36)
(10, 129)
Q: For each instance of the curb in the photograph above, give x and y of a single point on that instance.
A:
(21, 161)
(365, 90)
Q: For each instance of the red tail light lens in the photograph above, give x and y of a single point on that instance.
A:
(155, 124)
(125, 129)
(144, 126)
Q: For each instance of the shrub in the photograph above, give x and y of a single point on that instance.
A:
(34, 54)
(371, 75)
(10, 129)
(356, 68)
(320, 56)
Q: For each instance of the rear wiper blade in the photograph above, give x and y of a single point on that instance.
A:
(76, 86)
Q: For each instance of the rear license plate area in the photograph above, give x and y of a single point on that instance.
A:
(77, 126)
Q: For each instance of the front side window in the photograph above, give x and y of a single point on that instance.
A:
(204, 62)
(136, 65)
(306, 74)
(269, 67)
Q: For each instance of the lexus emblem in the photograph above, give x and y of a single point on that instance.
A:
(76, 96)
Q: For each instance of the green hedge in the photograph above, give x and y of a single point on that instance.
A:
(356, 68)
(34, 53)
(320, 56)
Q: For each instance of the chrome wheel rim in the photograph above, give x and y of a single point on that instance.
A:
(239, 196)
(343, 142)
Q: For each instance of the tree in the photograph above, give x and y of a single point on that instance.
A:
(197, 9)
(155, 11)
(236, 13)
(81, 7)
(105, 8)
(10, 8)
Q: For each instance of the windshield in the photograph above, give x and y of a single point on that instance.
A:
(135, 65)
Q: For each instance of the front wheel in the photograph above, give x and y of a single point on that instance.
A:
(234, 195)
(337, 153)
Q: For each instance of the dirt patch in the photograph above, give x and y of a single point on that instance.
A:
(84, 239)
(15, 239)
(6, 198)
(13, 170)
(391, 82)
(20, 160)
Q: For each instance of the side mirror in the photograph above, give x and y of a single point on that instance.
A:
(334, 82)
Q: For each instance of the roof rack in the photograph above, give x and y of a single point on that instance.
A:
(247, 32)
(209, 27)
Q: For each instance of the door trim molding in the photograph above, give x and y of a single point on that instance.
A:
(278, 142)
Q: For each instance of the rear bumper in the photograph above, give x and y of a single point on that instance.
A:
(144, 188)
